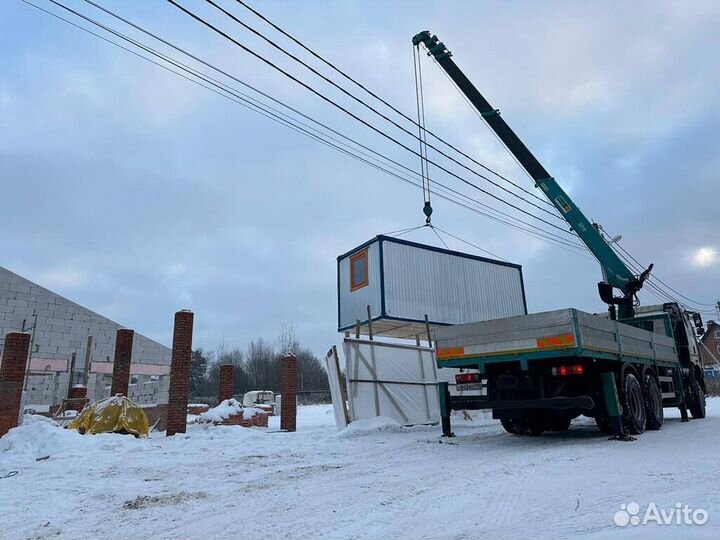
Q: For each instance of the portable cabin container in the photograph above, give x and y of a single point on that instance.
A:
(396, 284)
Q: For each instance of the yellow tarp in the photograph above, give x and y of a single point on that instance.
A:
(112, 415)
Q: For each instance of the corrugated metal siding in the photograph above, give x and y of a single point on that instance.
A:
(448, 288)
(353, 304)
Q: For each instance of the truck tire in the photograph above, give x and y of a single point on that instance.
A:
(653, 404)
(515, 426)
(633, 405)
(537, 426)
(696, 404)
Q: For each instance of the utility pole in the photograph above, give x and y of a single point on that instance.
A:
(718, 309)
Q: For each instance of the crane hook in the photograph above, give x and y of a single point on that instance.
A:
(427, 210)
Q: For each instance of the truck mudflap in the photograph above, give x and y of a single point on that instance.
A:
(472, 402)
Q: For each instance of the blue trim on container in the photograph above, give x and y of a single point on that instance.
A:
(382, 278)
(338, 291)
(522, 289)
(384, 238)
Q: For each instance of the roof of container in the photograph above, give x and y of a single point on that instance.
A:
(383, 238)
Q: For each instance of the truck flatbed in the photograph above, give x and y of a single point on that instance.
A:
(551, 334)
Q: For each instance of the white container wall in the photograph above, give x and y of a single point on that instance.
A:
(403, 281)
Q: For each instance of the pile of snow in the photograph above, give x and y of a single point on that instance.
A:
(39, 437)
(371, 426)
(226, 409)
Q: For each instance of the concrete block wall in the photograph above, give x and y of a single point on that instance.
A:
(63, 326)
(62, 329)
(47, 388)
(147, 391)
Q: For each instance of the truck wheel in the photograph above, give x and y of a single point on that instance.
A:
(653, 403)
(633, 405)
(537, 427)
(697, 401)
(515, 426)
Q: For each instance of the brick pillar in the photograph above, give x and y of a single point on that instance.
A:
(121, 364)
(180, 373)
(227, 382)
(12, 376)
(288, 389)
(78, 392)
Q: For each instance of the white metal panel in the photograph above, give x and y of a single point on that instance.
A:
(449, 288)
(396, 381)
(391, 380)
(353, 304)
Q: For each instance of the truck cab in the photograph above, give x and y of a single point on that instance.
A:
(672, 320)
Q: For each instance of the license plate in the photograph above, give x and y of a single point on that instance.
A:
(466, 387)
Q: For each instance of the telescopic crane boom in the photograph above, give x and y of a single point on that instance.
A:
(617, 274)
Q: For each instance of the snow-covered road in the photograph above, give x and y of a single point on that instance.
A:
(373, 480)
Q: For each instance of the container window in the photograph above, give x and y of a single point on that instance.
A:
(359, 270)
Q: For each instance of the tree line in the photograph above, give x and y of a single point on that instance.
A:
(257, 367)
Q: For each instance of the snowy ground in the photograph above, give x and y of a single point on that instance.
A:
(374, 480)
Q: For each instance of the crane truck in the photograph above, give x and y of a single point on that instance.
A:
(538, 372)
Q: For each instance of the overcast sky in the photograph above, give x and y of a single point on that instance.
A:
(136, 193)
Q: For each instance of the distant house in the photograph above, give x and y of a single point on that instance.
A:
(710, 349)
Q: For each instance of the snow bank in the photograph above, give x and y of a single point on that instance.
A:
(370, 426)
(39, 437)
(226, 409)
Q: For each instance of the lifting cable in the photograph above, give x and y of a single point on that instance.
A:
(422, 136)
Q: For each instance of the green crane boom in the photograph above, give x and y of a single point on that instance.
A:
(616, 272)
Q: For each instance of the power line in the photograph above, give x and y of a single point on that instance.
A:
(385, 102)
(244, 100)
(268, 96)
(284, 122)
(654, 289)
(357, 99)
(666, 285)
(619, 248)
(357, 118)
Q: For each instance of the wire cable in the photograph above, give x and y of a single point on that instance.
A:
(450, 194)
(439, 237)
(343, 90)
(267, 96)
(471, 244)
(383, 101)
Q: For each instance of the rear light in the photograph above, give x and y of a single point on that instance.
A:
(461, 378)
(564, 371)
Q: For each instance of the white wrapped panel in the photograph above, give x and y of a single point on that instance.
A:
(336, 393)
(396, 381)
(393, 381)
